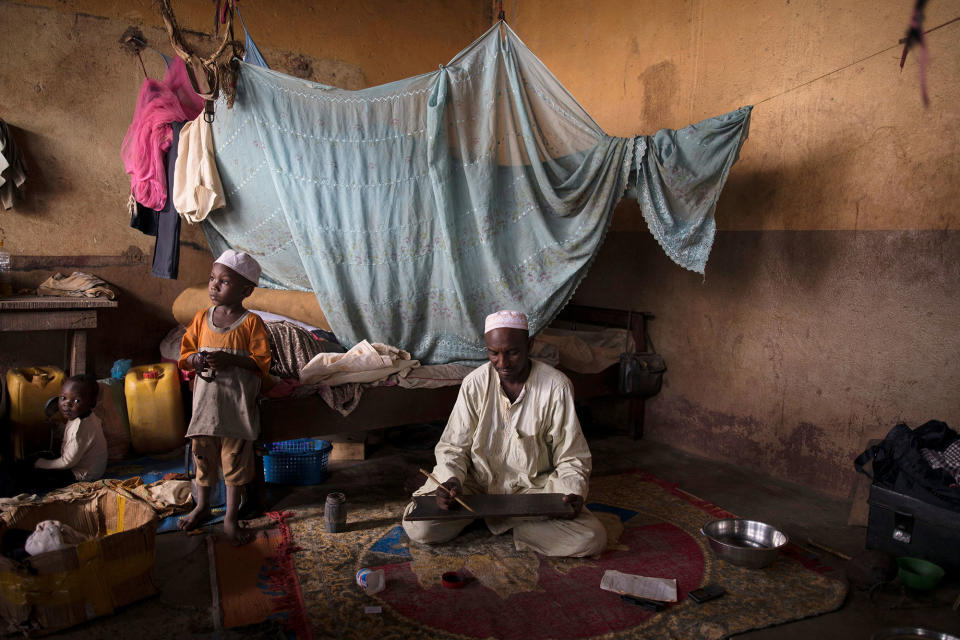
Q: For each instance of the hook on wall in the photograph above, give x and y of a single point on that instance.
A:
(132, 41)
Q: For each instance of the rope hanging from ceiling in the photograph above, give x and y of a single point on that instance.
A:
(211, 74)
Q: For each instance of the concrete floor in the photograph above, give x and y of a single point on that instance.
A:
(183, 607)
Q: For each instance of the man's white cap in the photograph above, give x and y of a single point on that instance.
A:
(242, 263)
(507, 320)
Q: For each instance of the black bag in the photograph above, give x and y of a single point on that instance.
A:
(899, 466)
(641, 374)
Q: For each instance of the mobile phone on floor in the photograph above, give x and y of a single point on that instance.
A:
(709, 592)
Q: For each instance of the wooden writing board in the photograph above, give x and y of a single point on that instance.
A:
(519, 504)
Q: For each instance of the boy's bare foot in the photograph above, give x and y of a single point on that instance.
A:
(235, 533)
(194, 519)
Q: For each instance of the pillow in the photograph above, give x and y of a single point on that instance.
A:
(299, 305)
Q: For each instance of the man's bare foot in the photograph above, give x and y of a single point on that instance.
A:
(235, 533)
(194, 519)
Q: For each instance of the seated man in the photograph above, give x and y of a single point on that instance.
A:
(514, 430)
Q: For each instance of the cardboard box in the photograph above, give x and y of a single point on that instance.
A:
(55, 590)
(347, 446)
(348, 451)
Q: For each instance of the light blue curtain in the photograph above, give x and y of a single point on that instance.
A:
(414, 209)
(679, 178)
(251, 55)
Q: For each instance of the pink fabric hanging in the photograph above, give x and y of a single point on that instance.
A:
(148, 138)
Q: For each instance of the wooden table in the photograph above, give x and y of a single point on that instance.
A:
(49, 313)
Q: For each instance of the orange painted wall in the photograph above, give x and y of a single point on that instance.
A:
(828, 311)
(839, 136)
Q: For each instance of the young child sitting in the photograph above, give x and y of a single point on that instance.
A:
(83, 455)
(229, 348)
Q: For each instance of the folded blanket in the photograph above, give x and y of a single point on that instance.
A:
(434, 376)
(365, 362)
(587, 351)
(76, 285)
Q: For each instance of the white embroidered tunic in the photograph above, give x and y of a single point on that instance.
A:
(532, 445)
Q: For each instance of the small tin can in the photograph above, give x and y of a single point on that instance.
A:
(335, 512)
(371, 580)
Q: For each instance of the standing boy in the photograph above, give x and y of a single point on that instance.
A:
(228, 347)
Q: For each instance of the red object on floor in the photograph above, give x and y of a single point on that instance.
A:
(285, 578)
(257, 581)
(244, 596)
(568, 605)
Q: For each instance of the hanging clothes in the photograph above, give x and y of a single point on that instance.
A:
(142, 219)
(414, 209)
(166, 249)
(160, 102)
(13, 168)
(164, 224)
(197, 189)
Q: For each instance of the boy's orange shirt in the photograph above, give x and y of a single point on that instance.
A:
(249, 337)
(225, 405)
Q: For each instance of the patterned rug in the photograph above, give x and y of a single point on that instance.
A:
(653, 530)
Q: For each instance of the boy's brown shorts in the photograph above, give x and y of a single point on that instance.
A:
(234, 455)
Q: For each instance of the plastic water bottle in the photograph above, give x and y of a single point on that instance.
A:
(371, 580)
(6, 279)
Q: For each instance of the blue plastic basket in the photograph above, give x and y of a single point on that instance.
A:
(302, 461)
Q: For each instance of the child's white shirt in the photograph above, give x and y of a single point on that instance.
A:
(84, 450)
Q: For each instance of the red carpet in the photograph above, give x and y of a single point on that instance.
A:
(652, 528)
(567, 605)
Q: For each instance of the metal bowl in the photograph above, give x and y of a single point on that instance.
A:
(745, 543)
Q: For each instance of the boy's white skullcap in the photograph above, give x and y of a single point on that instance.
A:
(242, 263)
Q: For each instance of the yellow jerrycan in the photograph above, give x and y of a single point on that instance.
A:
(154, 407)
(29, 389)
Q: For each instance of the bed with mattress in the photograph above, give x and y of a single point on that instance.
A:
(585, 342)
